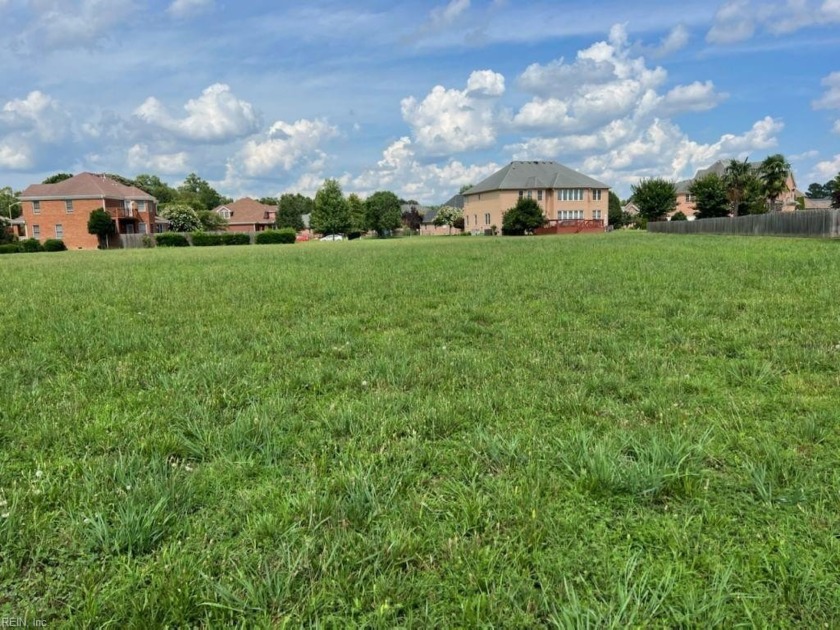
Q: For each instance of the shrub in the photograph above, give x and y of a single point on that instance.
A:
(54, 245)
(31, 245)
(10, 248)
(679, 216)
(283, 236)
(148, 241)
(203, 239)
(171, 239)
(525, 217)
(236, 238)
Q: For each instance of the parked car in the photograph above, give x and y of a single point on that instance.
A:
(332, 237)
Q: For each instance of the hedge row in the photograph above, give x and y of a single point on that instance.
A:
(33, 245)
(171, 239)
(203, 239)
(283, 235)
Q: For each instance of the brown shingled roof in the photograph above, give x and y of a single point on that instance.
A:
(86, 185)
(248, 212)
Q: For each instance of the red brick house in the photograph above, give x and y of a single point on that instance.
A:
(247, 215)
(62, 210)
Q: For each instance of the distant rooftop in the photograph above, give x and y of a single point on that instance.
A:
(86, 185)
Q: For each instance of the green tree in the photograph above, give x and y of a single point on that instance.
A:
(679, 215)
(710, 196)
(269, 201)
(197, 193)
(331, 214)
(526, 216)
(447, 215)
(754, 201)
(736, 176)
(182, 217)
(101, 225)
(835, 192)
(211, 221)
(382, 212)
(773, 174)
(9, 203)
(358, 220)
(153, 185)
(655, 198)
(616, 215)
(817, 191)
(290, 211)
(464, 188)
(58, 177)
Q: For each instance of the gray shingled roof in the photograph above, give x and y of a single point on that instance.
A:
(456, 202)
(537, 174)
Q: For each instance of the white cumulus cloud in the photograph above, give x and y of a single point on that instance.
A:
(450, 121)
(29, 127)
(217, 116)
(140, 158)
(739, 20)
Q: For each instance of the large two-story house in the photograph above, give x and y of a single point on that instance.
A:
(62, 210)
(247, 215)
(565, 196)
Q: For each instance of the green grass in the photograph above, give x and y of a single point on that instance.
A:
(593, 431)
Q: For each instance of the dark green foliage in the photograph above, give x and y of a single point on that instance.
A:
(198, 193)
(269, 201)
(9, 205)
(58, 177)
(10, 248)
(31, 246)
(211, 221)
(773, 175)
(817, 191)
(204, 239)
(382, 212)
(710, 197)
(679, 216)
(358, 222)
(459, 223)
(171, 239)
(525, 217)
(616, 215)
(290, 211)
(54, 245)
(412, 219)
(331, 214)
(158, 189)
(101, 224)
(655, 198)
(283, 236)
(835, 192)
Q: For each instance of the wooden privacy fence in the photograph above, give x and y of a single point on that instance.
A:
(815, 223)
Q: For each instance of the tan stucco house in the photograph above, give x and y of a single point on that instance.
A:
(564, 195)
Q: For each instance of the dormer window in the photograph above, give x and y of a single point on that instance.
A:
(225, 213)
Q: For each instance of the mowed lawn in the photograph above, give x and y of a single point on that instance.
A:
(614, 430)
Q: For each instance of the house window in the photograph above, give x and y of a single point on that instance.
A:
(141, 228)
(569, 215)
(36, 232)
(141, 206)
(59, 230)
(596, 214)
(226, 213)
(475, 219)
(466, 221)
(529, 194)
(570, 194)
(521, 194)
(596, 195)
(68, 206)
(487, 219)
(36, 207)
(689, 198)
(539, 195)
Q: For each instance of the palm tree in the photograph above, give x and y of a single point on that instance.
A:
(773, 174)
(736, 176)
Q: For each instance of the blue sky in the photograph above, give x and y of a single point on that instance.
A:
(264, 97)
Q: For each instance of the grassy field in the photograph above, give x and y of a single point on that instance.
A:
(606, 431)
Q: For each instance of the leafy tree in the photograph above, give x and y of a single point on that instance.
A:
(835, 192)
(655, 198)
(447, 215)
(101, 225)
(773, 173)
(182, 218)
(817, 191)
(331, 214)
(710, 196)
(525, 216)
(358, 220)
(152, 184)
(9, 204)
(58, 177)
(119, 178)
(754, 201)
(290, 211)
(459, 223)
(616, 215)
(679, 215)
(382, 212)
(464, 188)
(199, 194)
(412, 219)
(736, 177)
(211, 221)
(269, 201)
